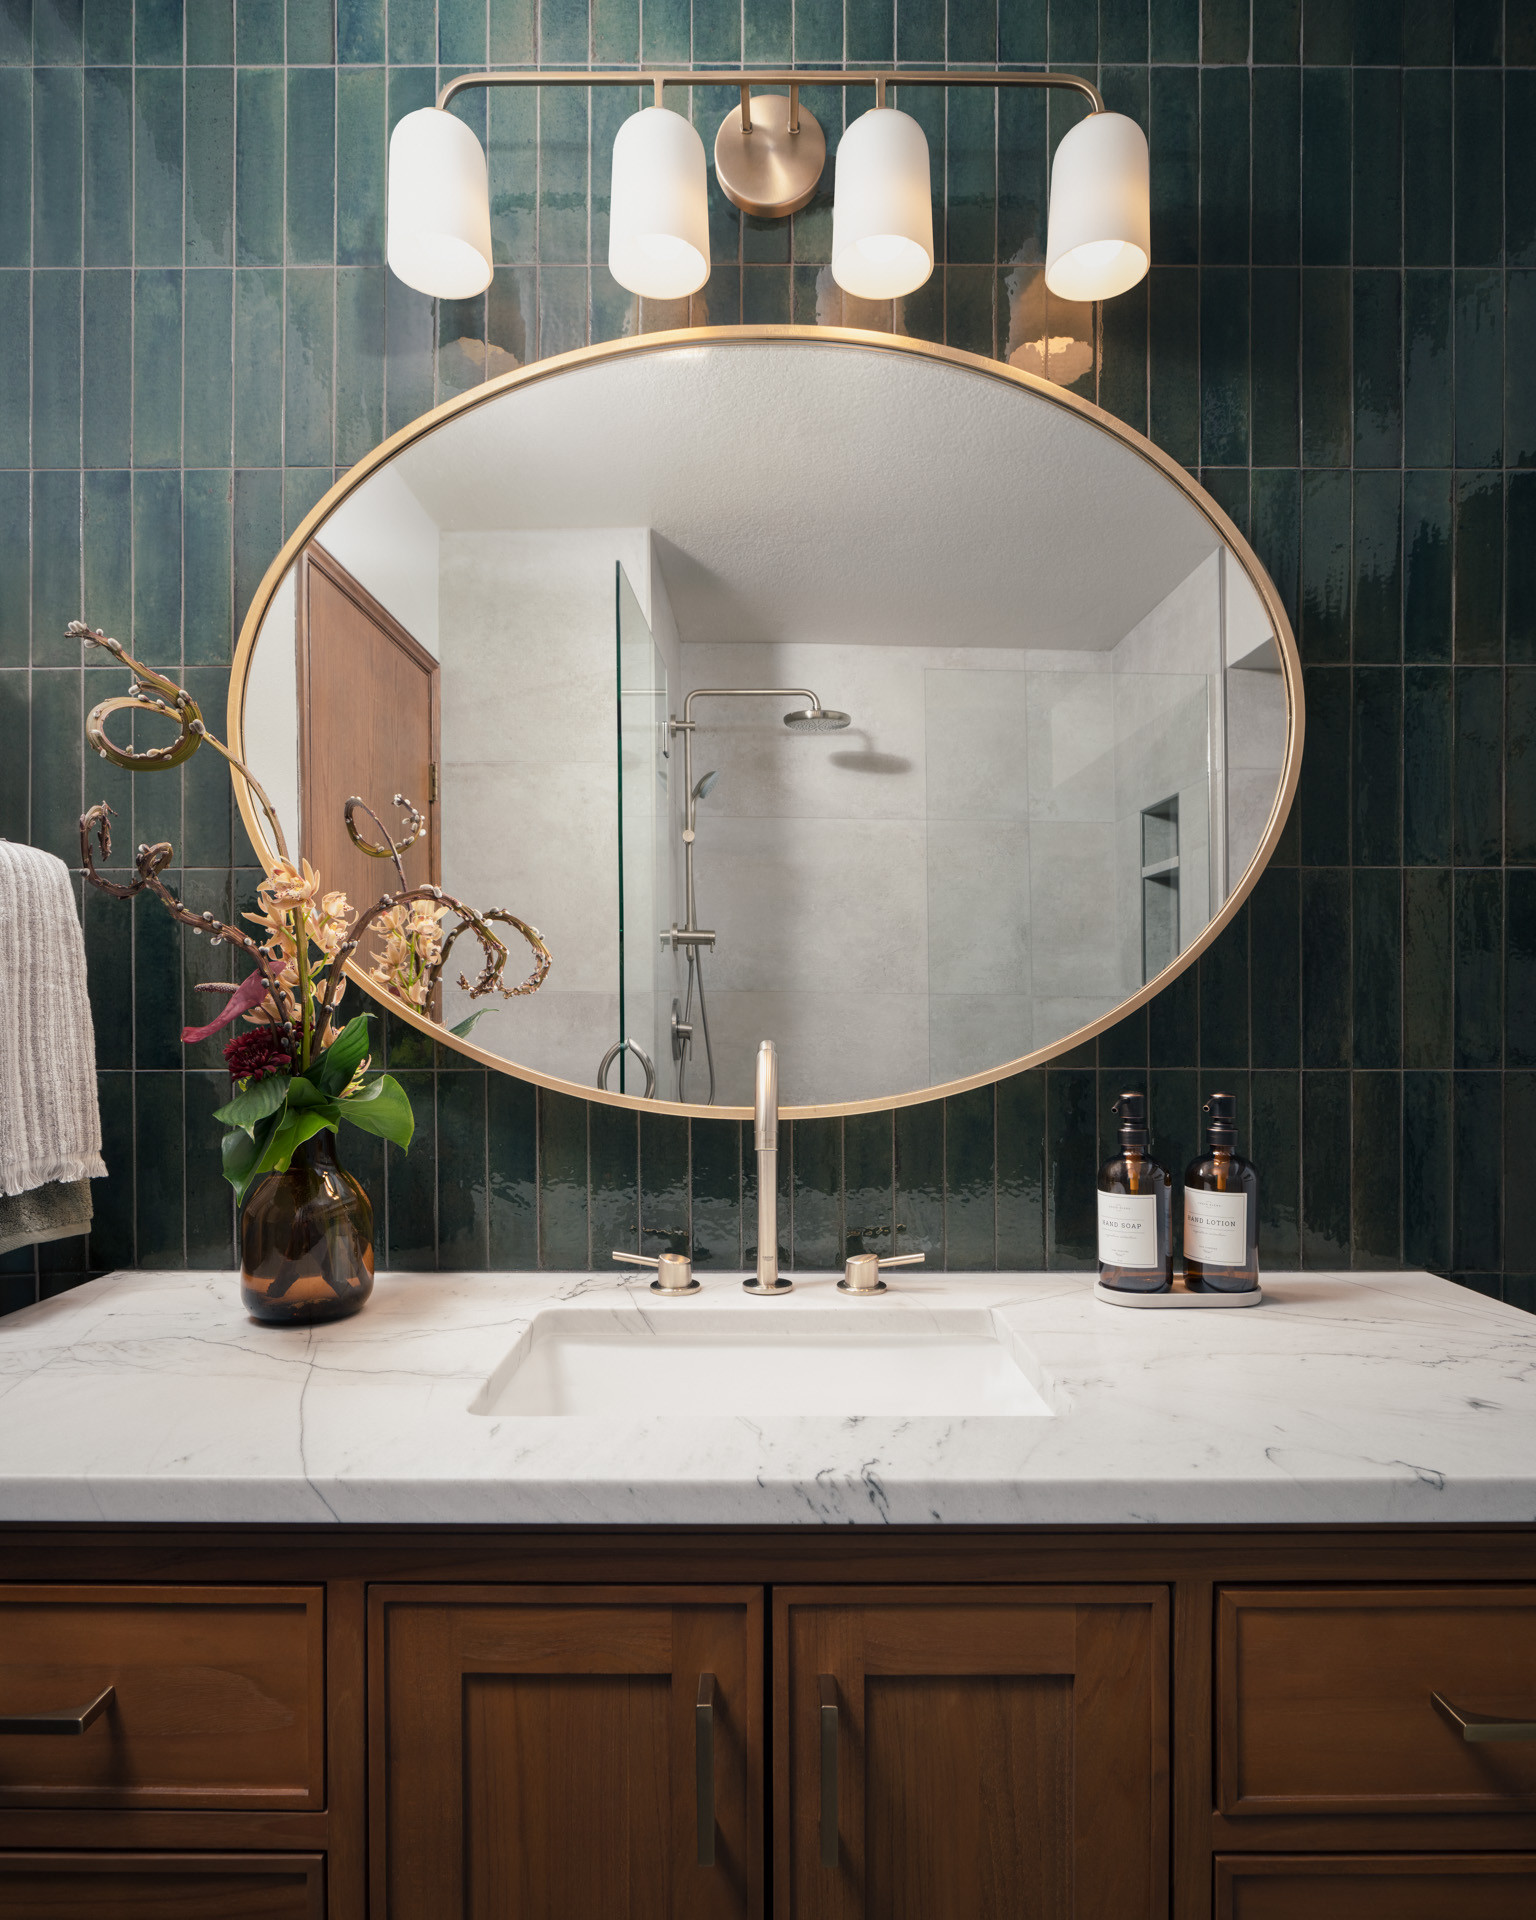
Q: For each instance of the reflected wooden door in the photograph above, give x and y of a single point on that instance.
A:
(368, 725)
(970, 1754)
(543, 1753)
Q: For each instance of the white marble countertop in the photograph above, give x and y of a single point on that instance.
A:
(1345, 1398)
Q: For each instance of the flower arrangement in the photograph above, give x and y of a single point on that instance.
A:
(297, 1070)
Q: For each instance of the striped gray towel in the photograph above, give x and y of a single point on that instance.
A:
(50, 1126)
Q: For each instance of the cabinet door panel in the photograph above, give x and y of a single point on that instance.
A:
(1000, 1754)
(149, 1886)
(1465, 1886)
(535, 1753)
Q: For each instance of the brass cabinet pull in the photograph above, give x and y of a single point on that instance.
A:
(704, 1761)
(827, 1687)
(60, 1719)
(1482, 1726)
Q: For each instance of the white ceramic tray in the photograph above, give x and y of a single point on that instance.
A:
(1179, 1297)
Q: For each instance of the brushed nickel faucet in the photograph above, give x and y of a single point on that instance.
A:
(765, 1127)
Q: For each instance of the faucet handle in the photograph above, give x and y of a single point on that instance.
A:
(861, 1271)
(674, 1271)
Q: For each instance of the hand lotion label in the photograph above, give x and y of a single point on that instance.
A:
(1215, 1227)
(1128, 1229)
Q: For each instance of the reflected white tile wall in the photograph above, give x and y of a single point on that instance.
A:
(1071, 746)
(863, 1045)
(977, 742)
(979, 907)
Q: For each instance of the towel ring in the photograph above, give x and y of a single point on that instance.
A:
(627, 1046)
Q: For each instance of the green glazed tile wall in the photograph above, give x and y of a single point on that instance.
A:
(1339, 336)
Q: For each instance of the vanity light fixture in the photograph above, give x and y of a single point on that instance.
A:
(769, 157)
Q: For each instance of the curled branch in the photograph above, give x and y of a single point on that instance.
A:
(392, 849)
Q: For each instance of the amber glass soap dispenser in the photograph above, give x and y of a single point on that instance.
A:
(1135, 1228)
(1221, 1209)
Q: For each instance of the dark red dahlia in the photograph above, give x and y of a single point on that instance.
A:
(255, 1055)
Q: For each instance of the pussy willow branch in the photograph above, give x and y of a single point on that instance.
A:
(153, 693)
(391, 849)
(149, 863)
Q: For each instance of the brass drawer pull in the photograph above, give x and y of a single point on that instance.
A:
(704, 1762)
(827, 1688)
(60, 1720)
(1482, 1726)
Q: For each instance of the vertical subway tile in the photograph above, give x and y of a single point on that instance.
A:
(56, 369)
(1274, 916)
(360, 32)
(259, 95)
(1378, 202)
(1224, 136)
(1376, 1170)
(1325, 1122)
(55, 570)
(160, 1189)
(817, 1194)
(1427, 183)
(1223, 970)
(258, 419)
(1479, 369)
(1174, 29)
(56, 167)
(1327, 31)
(210, 32)
(1477, 1144)
(1428, 580)
(210, 167)
(1378, 571)
(1325, 566)
(613, 1138)
(207, 367)
(311, 165)
(1325, 368)
(1276, 216)
(716, 1194)
(361, 114)
(562, 1182)
(1427, 967)
(1276, 354)
(311, 32)
(360, 307)
(1377, 767)
(207, 599)
(1275, 1145)
(309, 366)
(1520, 371)
(157, 167)
(107, 554)
(1428, 389)
(1479, 169)
(1428, 1177)
(1021, 1171)
(1071, 1169)
(1174, 378)
(1479, 633)
(1520, 766)
(1122, 30)
(665, 1200)
(1520, 609)
(1376, 933)
(512, 1173)
(1520, 169)
(257, 531)
(1174, 138)
(970, 1181)
(108, 182)
(920, 1181)
(1378, 379)
(107, 372)
(1478, 1001)
(1520, 969)
(156, 368)
(412, 1181)
(1478, 777)
(1427, 766)
(1325, 943)
(1325, 151)
(157, 562)
(1224, 434)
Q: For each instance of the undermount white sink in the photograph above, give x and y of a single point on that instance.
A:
(711, 1363)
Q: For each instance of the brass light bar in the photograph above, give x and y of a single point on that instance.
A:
(745, 78)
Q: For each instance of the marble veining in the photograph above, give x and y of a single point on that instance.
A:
(1347, 1398)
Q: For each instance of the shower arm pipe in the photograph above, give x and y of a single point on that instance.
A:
(685, 727)
(748, 77)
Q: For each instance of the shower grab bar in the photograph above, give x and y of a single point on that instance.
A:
(627, 1046)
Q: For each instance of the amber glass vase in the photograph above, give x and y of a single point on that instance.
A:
(306, 1240)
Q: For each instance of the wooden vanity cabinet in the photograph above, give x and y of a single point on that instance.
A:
(807, 1723)
(970, 1753)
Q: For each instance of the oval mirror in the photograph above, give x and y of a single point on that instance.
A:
(830, 688)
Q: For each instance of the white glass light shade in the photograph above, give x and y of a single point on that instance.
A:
(658, 213)
(439, 206)
(1099, 239)
(882, 207)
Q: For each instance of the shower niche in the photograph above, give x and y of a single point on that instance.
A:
(924, 735)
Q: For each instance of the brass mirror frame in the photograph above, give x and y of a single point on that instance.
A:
(552, 368)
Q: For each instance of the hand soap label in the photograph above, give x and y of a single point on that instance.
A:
(1128, 1230)
(1215, 1228)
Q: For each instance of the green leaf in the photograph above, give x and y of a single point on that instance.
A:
(292, 1131)
(243, 1154)
(466, 1027)
(258, 1099)
(336, 1066)
(382, 1108)
(305, 1096)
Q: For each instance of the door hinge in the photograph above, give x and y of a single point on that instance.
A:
(431, 783)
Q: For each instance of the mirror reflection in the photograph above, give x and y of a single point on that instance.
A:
(865, 700)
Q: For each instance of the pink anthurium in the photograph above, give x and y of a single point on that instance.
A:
(244, 997)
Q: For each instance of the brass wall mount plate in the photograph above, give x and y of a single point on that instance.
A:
(771, 169)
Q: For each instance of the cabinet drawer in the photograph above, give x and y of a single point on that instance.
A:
(217, 1696)
(1386, 1886)
(1324, 1699)
(162, 1886)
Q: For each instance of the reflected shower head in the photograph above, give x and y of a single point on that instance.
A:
(816, 720)
(702, 785)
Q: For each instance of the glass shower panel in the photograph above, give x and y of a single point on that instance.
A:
(644, 860)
